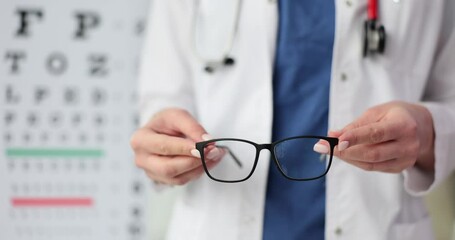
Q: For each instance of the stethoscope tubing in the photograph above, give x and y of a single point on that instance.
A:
(229, 43)
(372, 10)
(224, 59)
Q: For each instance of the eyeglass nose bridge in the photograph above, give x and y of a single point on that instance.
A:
(267, 146)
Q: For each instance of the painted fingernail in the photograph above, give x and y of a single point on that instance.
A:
(321, 148)
(195, 153)
(206, 137)
(343, 145)
(214, 154)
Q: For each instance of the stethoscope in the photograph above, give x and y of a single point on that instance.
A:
(224, 59)
(374, 37)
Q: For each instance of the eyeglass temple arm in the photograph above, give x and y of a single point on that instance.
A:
(239, 163)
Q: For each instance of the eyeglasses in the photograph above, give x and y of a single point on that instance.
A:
(294, 157)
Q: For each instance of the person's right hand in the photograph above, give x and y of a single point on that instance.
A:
(165, 148)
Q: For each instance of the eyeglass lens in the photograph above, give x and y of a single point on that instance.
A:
(297, 159)
(236, 159)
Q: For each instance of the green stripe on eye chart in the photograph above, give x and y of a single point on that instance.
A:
(54, 152)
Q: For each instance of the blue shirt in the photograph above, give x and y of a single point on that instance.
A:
(301, 81)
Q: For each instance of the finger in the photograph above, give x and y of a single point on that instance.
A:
(322, 147)
(370, 134)
(178, 122)
(151, 176)
(140, 160)
(215, 154)
(154, 143)
(169, 167)
(334, 133)
(372, 153)
(185, 177)
(193, 174)
(156, 178)
(390, 166)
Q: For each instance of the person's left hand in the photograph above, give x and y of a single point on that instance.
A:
(388, 138)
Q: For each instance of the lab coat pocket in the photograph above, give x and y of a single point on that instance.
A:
(420, 230)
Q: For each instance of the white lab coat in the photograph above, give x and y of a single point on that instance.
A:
(418, 66)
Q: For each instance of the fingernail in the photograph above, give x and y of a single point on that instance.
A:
(214, 154)
(206, 137)
(334, 133)
(195, 153)
(321, 148)
(343, 145)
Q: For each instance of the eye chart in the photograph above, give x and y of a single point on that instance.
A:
(67, 110)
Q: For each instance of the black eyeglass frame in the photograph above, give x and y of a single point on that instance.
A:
(269, 146)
